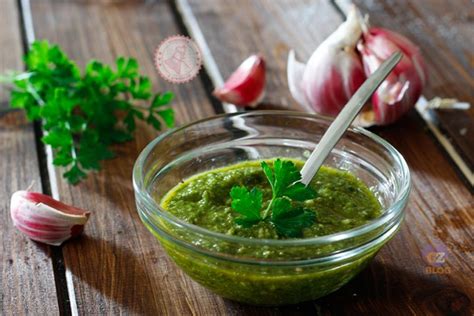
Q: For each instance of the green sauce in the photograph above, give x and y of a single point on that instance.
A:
(343, 201)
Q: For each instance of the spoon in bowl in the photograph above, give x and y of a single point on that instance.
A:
(344, 119)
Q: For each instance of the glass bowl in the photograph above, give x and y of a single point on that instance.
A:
(266, 271)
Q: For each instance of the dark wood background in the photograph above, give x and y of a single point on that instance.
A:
(117, 267)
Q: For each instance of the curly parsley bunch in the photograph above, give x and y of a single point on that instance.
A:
(84, 112)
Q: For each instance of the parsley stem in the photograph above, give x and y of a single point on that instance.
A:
(73, 146)
(35, 94)
(266, 212)
(141, 107)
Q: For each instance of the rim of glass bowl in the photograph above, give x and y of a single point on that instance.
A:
(394, 210)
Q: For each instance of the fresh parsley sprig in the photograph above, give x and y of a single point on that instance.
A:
(283, 210)
(83, 113)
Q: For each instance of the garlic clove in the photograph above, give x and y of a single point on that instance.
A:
(245, 87)
(45, 219)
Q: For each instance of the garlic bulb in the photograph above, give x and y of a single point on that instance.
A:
(333, 73)
(45, 219)
(341, 63)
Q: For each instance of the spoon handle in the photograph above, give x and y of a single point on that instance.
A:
(346, 116)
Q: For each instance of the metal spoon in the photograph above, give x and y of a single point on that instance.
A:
(346, 116)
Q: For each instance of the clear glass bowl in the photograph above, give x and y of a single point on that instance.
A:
(277, 271)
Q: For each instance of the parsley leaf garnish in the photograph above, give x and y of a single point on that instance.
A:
(248, 203)
(288, 218)
(283, 180)
(84, 112)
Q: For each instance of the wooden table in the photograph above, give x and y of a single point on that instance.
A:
(117, 267)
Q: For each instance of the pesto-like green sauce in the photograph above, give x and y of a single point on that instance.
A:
(343, 201)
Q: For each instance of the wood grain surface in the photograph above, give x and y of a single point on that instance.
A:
(27, 284)
(117, 267)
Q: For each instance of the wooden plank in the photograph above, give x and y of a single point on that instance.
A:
(441, 206)
(118, 266)
(445, 34)
(27, 278)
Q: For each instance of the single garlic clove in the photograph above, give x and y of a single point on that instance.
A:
(45, 219)
(402, 88)
(245, 87)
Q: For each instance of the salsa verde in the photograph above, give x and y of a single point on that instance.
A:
(266, 274)
(343, 201)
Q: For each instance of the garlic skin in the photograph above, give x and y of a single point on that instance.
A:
(333, 72)
(45, 219)
(245, 87)
(403, 86)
